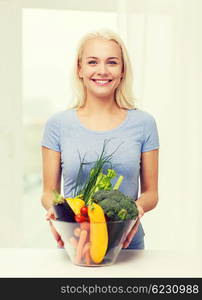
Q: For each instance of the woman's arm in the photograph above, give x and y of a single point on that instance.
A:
(149, 189)
(51, 181)
(149, 180)
(51, 168)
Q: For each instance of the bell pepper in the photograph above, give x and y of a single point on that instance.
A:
(75, 204)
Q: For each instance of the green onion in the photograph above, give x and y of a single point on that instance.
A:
(89, 187)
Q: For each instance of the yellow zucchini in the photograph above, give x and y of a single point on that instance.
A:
(98, 233)
(75, 204)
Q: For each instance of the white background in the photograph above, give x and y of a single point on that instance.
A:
(37, 45)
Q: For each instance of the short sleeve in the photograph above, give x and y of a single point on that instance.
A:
(51, 134)
(151, 137)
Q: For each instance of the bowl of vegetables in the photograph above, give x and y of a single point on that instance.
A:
(93, 234)
(94, 223)
(93, 245)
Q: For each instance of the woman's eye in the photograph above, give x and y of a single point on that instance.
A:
(112, 62)
(109, 62)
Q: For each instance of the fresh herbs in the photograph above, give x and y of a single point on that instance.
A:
(96, 179)
(58, 199)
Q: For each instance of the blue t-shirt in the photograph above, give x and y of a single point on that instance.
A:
(63, 132)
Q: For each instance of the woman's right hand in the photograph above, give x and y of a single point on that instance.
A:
(50, 215)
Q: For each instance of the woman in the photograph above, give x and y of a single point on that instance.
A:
(104, 108)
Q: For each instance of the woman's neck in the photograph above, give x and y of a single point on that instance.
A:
(100, 106)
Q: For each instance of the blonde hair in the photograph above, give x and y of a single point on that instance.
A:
(123, 94)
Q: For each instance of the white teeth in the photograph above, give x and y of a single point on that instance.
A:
(102, 81)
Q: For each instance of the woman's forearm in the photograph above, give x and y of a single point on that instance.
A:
(47, 199)
(148, 200)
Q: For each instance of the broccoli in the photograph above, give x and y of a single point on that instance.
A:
(116, 205)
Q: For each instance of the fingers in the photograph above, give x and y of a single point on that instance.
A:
(54, 232)
(50, 214)
(60, 243)
(56, 235)
(140, 210)
(133, 231)
(131, 234)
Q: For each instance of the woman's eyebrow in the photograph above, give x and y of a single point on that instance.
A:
(112, 57)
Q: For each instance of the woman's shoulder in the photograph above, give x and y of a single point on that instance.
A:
(59, 116)
(141, 115)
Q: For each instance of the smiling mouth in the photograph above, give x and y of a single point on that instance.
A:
(101, 82)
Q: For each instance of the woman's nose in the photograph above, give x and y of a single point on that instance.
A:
(102, 69)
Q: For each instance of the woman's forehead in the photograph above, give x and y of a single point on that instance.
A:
(98, 47)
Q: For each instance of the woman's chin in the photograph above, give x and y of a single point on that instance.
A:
(102, 94)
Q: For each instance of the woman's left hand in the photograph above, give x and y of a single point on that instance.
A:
(134, 228)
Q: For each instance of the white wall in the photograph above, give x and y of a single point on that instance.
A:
(10, 124)
(165, 41)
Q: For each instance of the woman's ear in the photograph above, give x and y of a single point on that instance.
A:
(80, 71)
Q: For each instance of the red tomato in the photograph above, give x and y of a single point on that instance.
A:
(84, 210)
(79, 218)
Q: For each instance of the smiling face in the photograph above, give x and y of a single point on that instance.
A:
(101, 67)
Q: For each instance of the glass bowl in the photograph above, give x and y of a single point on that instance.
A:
(87, 245)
